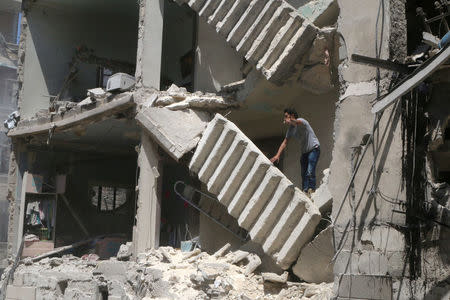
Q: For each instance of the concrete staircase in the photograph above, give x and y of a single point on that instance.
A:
(270, 34)
(277, 215)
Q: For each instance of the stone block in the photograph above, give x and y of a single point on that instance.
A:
(314, 264)
(20, 293)
(364, 287)
(177, 132)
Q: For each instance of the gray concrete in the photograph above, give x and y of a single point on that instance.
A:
(177, 132)
(150, 41)
(148, 216)
(288, 220)
(216, 63)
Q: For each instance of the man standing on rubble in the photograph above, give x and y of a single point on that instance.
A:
(300, 130)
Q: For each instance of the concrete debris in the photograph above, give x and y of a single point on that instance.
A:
(221, 251)
(85, 102)
(176, 98)
(151, 276)
(238, 256)
(272, 277)
(253, 263)
(97, 93)
(125, 251)
(179, 137)
(322, 197)
(315, 262)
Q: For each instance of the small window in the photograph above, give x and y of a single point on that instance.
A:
(108, 198)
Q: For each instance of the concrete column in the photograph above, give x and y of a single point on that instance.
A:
(146, 231)
(148, 66)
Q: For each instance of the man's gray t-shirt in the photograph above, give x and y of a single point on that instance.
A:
(304, 134)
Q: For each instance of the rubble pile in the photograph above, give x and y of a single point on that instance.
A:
(178, 98)
(163, 273)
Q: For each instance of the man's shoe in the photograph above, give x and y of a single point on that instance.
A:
(310, 192)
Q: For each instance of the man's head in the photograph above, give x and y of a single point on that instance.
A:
(290, 113)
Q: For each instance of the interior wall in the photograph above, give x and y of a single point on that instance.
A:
(8, 25)
(262, 118)
(216, 62)
(178, 40)
(52, 38)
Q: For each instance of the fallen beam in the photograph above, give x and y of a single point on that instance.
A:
(413, 80)
(86, 117)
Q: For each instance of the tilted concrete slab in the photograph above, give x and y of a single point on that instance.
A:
(277, 215)
(272, 35)
(177, 132)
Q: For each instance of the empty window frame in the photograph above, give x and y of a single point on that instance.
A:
(108, 198)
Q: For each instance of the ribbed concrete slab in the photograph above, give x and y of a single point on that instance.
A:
(278, 216)
(269, 34)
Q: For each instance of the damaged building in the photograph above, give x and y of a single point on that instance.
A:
(143, 133)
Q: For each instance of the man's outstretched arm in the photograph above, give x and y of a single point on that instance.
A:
(283, 145)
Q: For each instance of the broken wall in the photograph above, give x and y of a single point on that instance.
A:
(52, 37)
(371, 231)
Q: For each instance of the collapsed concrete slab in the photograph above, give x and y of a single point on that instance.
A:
(77, 116)
(314, 264)
(177, 132)
(272, 35)
(277, 215)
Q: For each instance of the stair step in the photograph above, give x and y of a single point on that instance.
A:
(272, 211)
(206, 144)
(301, 235)
(226, 166)
(220, 12)
(232, 17)
(299, 44)
(217, 153)
(262, 42)
(282, 230)
(245, 22)
(248, 187)
(237, 176)
(196, 5)
(279, 42)
(208, 8)
(258, 25)
(259, 199)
